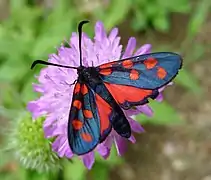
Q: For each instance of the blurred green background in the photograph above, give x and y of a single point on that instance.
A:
(177, 142)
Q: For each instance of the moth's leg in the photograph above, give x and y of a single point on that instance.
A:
(73, 82)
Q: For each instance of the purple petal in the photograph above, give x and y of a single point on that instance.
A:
(132, 139)
(61, 142)
(107, 155)
(62, 148)
(69, 154)
(108, 143)
(170, 84)
(130, 47)
(74, 43)
(56, 143)
(162, 88)
(135, 126)
(143, 49)
(120, 144)
(38, 88)
(54, 130)
(48, 131)
(115, 44)
(49, 121)
(103, 151)
(109, 140)
(132, 112)
(100, 33)
(147, 110)
(88, 159)
(34, 108)
(113, 34)
(61, 145)
(140, 109)
(159, 98)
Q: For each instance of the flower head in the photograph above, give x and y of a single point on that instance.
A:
(54, 85)
(31, 148)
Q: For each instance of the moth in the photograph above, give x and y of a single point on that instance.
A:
(102, 93)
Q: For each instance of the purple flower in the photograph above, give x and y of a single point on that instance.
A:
(56, 92)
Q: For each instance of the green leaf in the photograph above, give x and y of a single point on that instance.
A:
(161, 22)
(31, 16)
(17, 5)
(196, 54)
(116, 13)
(34, 175)
(61, 7)
(44, 45)
(9, 97)
(49, 40)
(175, 6)
(13, 174)
(163, 114)
(188, 80)
(139, 22)
(11, 71)
(8, 45)
(4, 156)
(59, 20)
(100, 171)
(74, 170)
(199, 17)
(152, 10)
(9, 114)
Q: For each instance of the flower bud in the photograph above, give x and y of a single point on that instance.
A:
(30, 146)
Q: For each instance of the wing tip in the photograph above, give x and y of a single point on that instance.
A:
(80, 153)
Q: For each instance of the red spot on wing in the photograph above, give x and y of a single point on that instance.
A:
(106, 72)
(77, 104)
(86, 137)
(134, 75)
(104, 110)
(127, 63)
(84, 89)
(161, 73)
(77, 125)
(88, 113)
(150, 63)
(106, 66)
(122, 93)
(77, 88)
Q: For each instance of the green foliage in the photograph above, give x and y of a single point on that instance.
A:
(156, 13)
(199, 17)
(163, 114)
(100, 170)
(186, 79)
(33, 31)
(145, 13)
(116, 13)
(74, 170)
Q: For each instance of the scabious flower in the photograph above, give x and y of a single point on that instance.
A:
(56, 92)
(31, 148)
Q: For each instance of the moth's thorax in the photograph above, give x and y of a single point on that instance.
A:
(89, 75)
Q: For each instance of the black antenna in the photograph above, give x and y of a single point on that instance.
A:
(80, 37)
(48, 63)
(59, 65)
